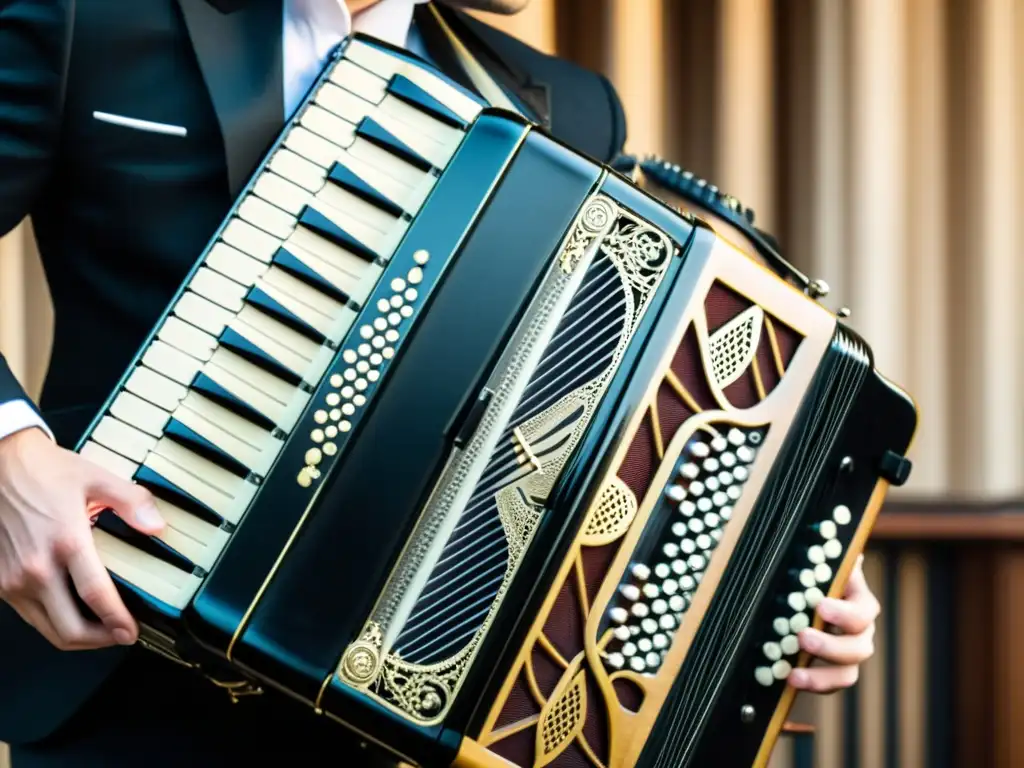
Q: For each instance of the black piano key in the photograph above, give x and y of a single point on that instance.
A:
(192, 440)
(271, 306)
(108, 521)
(316, 222)
(371, 130)
(215, 392)
(163, 488)
(345, 178)
(295, 267)
(241, 346)
(406, 90)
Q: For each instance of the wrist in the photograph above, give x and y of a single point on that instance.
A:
(16, 442)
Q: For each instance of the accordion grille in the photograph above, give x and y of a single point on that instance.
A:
(588, 663)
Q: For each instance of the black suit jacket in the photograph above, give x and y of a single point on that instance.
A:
(121, 215)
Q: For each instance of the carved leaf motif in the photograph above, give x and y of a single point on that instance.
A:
(612, 515)
(563, 717)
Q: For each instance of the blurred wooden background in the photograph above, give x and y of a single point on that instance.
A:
(881, 141)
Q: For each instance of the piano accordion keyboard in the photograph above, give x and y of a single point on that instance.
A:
(215, 396)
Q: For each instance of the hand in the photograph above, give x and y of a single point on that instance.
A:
(854, 617)
(46, 496)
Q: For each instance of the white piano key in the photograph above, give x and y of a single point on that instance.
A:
(328, 316)
(348, 273)
(359, 81)
(171, 362)
(225, 493)
(283, 193)
(382, 243)
(190, 536)
(185, 336)
(402, 183)
(446, 137)
(140, 413)
(360, 274)
(297, 169)
(267, 217)
(248, 239)
(219, 289)
(290, 348)
(328, 126)
(112, 462)
(250, 445)
(156, 388)
(123, 439)
(203, 314)
(277, 400)
(386, 66)
(364, 216)
(346, 209)
(312, 146)
(162, 580)
(234, 264)
(194, 538)
(353, 109)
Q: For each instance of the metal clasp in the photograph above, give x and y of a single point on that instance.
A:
(238, 689)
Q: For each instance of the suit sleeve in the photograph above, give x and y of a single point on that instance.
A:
(35, 40)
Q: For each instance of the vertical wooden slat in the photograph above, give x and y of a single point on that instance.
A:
(827, 207)
(1008, 593)
(877, 251)
(928, 350)
(637, 70)
(912, 653)
(871, 686)
(690, 41)
(973, 645)
(745, 111)
(993, 454)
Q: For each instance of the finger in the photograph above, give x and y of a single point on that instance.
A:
(33, 614)
(131, 502)
(850, 616)
(94, 585)
(74, 631)
(857, 584)
(838, 649)
(823, 679)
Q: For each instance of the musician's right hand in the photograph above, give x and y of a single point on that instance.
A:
(46, 547)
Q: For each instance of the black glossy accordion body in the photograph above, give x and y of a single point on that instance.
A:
(482, 450)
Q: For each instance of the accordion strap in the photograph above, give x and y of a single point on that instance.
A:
(480, 77)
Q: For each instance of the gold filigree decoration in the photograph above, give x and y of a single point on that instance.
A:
(564, 715)
(591, 224)
(362, 659)
(732, 347)
(640, 254)
(611, 516)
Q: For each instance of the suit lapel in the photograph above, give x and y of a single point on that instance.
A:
(240, 56)
(532, 95)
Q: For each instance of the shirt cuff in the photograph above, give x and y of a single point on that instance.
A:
(17, 415)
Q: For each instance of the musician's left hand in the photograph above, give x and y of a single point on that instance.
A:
(854, 620)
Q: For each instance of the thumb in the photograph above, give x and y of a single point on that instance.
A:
(132, 503)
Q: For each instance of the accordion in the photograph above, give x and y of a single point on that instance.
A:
(493, 454)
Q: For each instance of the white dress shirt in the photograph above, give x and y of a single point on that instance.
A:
(311, 29)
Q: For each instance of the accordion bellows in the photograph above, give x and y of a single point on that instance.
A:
(489, 452)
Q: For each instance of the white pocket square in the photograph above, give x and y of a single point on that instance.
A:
(140, 125)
